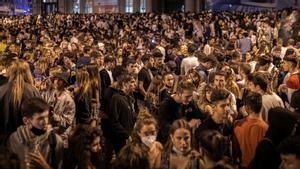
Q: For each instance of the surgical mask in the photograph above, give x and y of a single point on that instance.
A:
(180, 151)
(148, 140)
(37, 132)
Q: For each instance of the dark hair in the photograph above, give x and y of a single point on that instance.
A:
(192, 48)
(185, 85)
(146, 57)
(260, 79)
(177, 124)
(79, 153)
(219, 95)
(109, 59)
(132, 156)
(246, 68)
(214, 144)
(156, 53)
(34, 105)
(118, 71)
(295, 100)
(9, 160)
(224, 164)
(125, 78)
(254, 102)
(290, 145)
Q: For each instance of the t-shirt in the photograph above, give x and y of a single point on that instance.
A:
(270, 101)
(189, 63)
(249, 132)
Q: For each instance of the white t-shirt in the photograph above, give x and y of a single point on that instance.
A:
(189, 63)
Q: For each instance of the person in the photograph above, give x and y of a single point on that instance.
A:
(145, 133)
(168, 88)
(212, 148)
(282, 124)
(250, 130)
(179, 105)
(191, 61)
(204, 102)
(12, 94)
(259, 83)
(36, 145)
(131, 157)
(290, 153)
(122, 115)
(145, 75)
(84, 150)
(106, 73)
(220, 119)
(178, 152)
(62, 108)
(85, 104)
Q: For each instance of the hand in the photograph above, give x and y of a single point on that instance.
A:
(36, 160)
(194, 123)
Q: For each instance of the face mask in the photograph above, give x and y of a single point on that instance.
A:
(148, 140)
(37, 132)
(181, 151)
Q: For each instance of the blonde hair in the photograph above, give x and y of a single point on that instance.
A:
(83, 83)
(20, 74)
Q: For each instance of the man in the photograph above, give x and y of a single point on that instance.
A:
(251, 130)
(244, 43)
(122, 115)
(290, 153)
(63, 108)
(206, 63)
(179, 105)
(259, 83)
(191, 61)
(158, 62)
(220, 119)
(36, 145)
(145, 75)
(106, 73)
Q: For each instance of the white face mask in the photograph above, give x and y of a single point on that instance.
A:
(148, 140)
(181, 151)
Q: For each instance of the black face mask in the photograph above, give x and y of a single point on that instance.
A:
(37, 132)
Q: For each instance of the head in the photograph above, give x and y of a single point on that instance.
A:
(213, 145)
(253, 103)
(168, 80)
(158, 58)
(180, 137)
(148, 60)
(290, 62)
(221, 104)
(127, 83)
(290, 153)
(83, 83)
(85, 143)
(184, 92)
(258, 82)
(131, 66)
(109, 62)
(36, 115)
(145, 129)
(60, 82)
(219, 80)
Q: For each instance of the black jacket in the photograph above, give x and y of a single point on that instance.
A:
(105, 80)
(170, 110)
(121, 116)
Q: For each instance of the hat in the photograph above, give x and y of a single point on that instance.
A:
(62, 77)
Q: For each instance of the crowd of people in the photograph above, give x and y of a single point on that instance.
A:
(201, 90)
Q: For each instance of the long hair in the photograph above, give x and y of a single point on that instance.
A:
(177, 124)
(79, 154)
(20, 74)
(95, 80)
(83, 84)
(144, 118)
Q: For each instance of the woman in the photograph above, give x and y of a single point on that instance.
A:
(212, 147)
(167, 90)
(145, 133)
(18, 88)
(84, 150)
(204, 102)
(83, 97)
(178, 153)
(152, 95)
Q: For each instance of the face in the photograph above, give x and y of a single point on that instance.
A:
(131, 85)
(208, 94)
(151, 62)
(158, 61)
(286, 65)
(181, 139)
(95, 145)
(147, 130)
(251, 86)
(289, 161)
(221, 109)
(219, 81)
(58, 84)
(186, 97)
(132, 68)
(169, 80)
(40, 120)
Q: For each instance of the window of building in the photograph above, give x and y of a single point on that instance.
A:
(143, 6)
(129, 6)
